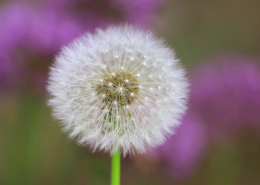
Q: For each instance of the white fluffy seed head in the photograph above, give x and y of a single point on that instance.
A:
(108, 106)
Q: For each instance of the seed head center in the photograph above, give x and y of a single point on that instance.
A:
(119, 89)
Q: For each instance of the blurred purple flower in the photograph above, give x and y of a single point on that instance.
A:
(225, 94)
(182, 151)
(30, 36)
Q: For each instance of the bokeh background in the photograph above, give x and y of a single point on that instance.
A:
(217, 41)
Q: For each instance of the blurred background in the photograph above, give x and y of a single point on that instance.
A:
(217, 41)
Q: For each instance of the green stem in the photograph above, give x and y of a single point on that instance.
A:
(115, 173)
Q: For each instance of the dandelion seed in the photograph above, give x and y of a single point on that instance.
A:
(90, 108)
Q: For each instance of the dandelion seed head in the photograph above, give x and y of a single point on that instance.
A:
(112, 95)
(118, 107)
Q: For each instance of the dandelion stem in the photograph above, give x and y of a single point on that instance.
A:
(115, 169)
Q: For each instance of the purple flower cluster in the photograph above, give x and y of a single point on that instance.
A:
(225, 94)
(224, 100)
(31, 34)
(182, 151)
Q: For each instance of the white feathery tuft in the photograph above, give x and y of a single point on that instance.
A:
(118, 88)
